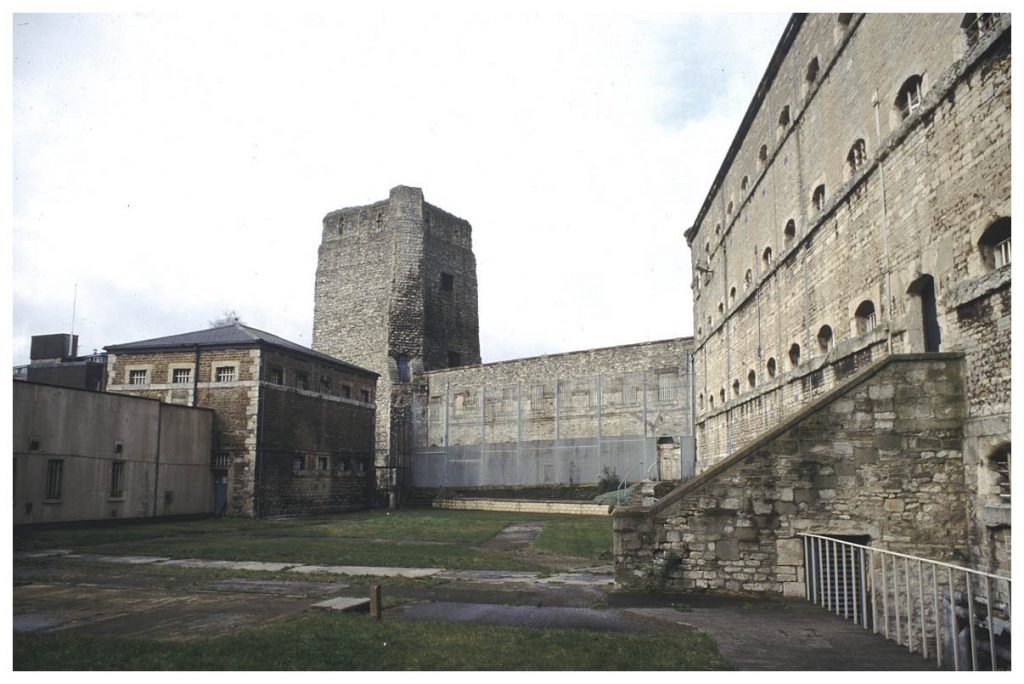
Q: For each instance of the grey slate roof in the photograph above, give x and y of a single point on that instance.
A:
(234, 335)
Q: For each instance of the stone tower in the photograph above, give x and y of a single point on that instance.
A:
(396, 293)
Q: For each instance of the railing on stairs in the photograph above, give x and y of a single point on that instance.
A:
(959, 616)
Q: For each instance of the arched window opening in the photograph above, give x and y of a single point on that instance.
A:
(707, 248)
(766, 258)
(700, 330)
(732, 296)
(751, 378)
(857, 156)
(402, 363)
(794, 355)
(923, 315)
(721, 307)
(748, 279)
(718, 229)
(728, 209)
(909, 99)
(762, 156)
(711, 401)
(811, 75)
(783, 120)
(999, 463)
(825, 338)
(994, 244)
(790, 231)
(844, 20)
(864, 317)
(977, 25)
(700, 401)
(736, 388)
(744, 183)
(771, 367)
(818, 198)
(721, 395)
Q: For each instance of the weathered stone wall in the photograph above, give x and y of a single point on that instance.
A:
(915, 206)
(278, 404)
(558, 418)
(164, 452)
(880, 457)
(525, 506)
(396, 281)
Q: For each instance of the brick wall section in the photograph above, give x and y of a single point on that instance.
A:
(259, 425)
(380, 295)
(880, 457)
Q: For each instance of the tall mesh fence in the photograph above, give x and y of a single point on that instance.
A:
(564, 431)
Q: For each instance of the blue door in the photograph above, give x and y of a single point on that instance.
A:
(220, 491)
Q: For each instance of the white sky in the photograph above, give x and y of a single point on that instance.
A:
(177, 166)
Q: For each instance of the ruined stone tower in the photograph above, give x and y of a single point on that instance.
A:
(396, 293)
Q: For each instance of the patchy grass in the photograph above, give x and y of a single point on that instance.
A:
(354, 642)
(417, 538)
(582, 537)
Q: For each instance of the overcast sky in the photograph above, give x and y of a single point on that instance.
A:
(177, 166)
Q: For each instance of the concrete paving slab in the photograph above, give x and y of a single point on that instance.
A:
(365, 570)
(343, 604)
(46, 553)
(228, 565)
(490, 575)
(125, 560)
(290, 587)
(579, 578)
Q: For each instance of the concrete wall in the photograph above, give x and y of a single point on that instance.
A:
(165, 451)
(880, 457)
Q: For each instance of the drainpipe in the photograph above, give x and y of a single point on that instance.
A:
(195, 379)
(156, 473)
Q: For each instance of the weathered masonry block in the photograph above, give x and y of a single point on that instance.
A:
(896, 478)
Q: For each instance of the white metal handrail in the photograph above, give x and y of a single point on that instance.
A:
(887, 592)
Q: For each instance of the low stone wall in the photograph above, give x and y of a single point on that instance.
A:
(880, 458)
(525, 506)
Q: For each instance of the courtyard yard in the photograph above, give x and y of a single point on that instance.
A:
(81, 610)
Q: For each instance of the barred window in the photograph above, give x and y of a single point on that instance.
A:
(857, 156)
(54, 479)
(909, 99)
(181, 376)
(224, 374)
(346, 391)
(364, 396)
(275, 375)
(138, 377)
(298, 463)
(977, 25)
(222, 461)
(666, 387)
(999, 462)
(321, 463)
(116, 479)
(325, 384)
(302, 380)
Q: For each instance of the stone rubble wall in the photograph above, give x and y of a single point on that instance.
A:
(879, 457)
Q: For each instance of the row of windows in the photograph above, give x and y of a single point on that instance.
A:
(864, 322)
(54, 487)
(181, 375)
(322, 464)
(276, 375)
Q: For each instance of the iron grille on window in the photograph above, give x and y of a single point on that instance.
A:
(54, 479)
(181, 376)
(117, 479)
(225, 374)
(137, 377)
(222, 461)
(302, 381)
(977, 25)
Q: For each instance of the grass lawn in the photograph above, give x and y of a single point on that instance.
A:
(355, 642)
(415, 538)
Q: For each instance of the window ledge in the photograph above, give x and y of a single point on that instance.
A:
(996, 515)
(973, 288)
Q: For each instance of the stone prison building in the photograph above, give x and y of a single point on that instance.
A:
(396, 292)
(851, 303)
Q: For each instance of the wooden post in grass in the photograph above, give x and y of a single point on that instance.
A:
(375, 607)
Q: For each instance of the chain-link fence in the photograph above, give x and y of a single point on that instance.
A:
(568, 430)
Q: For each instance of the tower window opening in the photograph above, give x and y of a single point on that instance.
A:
(857, 156)
(771, 367)
(818, 198)
(994, 244)
(447, 282)
(865, 317)
(825, 338)
(909, 99)
(977, 25)
(794, 355)
(790, 231)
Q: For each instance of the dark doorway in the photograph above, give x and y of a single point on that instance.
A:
(922, 291)
(220, 491)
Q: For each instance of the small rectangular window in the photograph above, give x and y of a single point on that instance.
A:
(224, 374)
(346, 392)
(275, 375)
(302, 380)
(454, 359)
(364, 396)
(117, 479)
(54, 479)
(447, 282)
(299, 464)
(666, 387)
(181, 376)
(321, 463)
(137, 377)
(325, 384)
